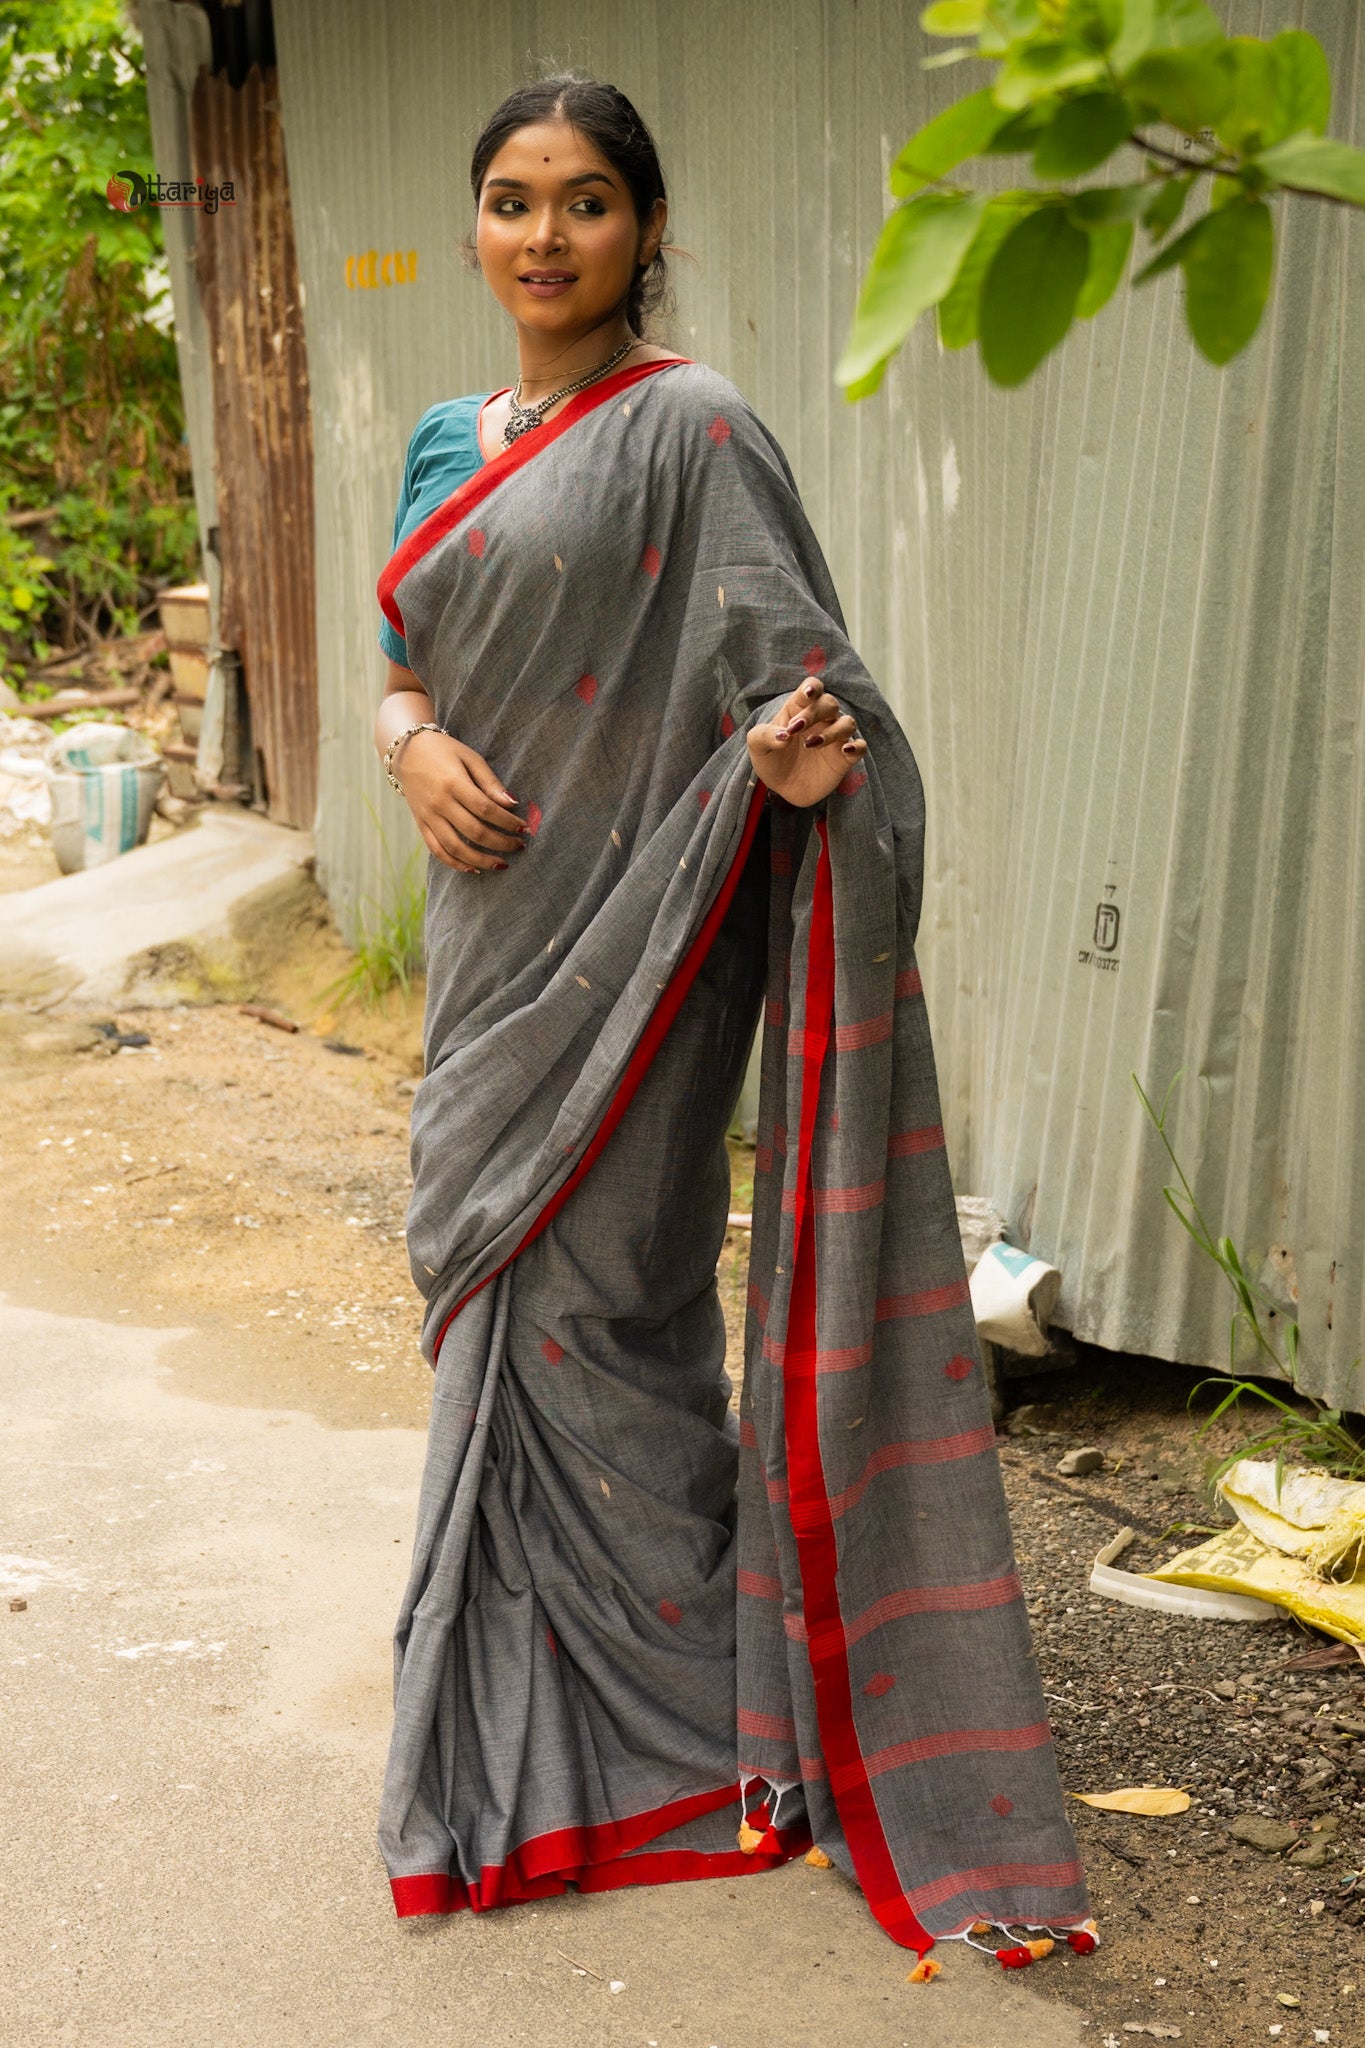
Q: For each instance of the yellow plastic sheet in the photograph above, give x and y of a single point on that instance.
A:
(1310, 1515)
(1236, 1561)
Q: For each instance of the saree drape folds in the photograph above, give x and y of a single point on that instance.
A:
(628, 1620)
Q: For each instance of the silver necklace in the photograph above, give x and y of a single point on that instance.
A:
(522, 418)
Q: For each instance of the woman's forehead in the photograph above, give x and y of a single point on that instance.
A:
(548, 151)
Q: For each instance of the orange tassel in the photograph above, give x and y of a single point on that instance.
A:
(925, 1971)
(818, 1860)
(748, 1839)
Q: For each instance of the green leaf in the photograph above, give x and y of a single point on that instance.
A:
(962, 130)
(1109, 249)
(1022, 131)
(1043, 66)
(1167, 204)
(915, 261)
(1008, 22)
(863, 387)
(1183, 24)
(1029, 297)
(1315, 164)
(953, 17)
(1100, 206)
(1227, 278)
(1167, 259)
(1191, 89)
(1250, 120)
(1081, 134)
(1305, 84)
(947, 57)
(1137, 33)
(958, 312)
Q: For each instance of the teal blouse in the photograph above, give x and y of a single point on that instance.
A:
(443, 453)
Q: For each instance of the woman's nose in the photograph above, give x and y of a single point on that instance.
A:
(545, 234)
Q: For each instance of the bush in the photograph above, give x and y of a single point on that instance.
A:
(91, 424)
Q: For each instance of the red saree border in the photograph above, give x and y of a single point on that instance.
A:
(812, 1518)
(648, 1043)
(599, 1859)
(476, 488)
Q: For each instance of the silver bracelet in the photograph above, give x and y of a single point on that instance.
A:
(396, 743)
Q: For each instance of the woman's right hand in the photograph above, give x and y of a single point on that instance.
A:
(466, 817)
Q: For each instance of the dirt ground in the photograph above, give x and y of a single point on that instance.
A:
(253, 1183)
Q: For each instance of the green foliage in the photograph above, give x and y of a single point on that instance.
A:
(391, 948)
(1323, 1437)
(91, 429)
(1084, 87)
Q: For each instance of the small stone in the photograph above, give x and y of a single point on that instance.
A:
(1074, 1464)
(1286, 1998)
(1311, 1855)
(1226, 1688)
(1259, 1832)
(17, 1606)
(1028, 1420)
(1316, 1906)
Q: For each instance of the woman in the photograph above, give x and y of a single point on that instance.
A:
(621, 693)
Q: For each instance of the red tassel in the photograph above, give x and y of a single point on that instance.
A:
(1014, 1958)
(1083, 1944)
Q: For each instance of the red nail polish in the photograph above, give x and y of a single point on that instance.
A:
(816, 740)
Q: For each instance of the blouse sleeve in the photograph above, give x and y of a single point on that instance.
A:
(391, 640)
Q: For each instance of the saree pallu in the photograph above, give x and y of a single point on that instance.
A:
(633, 1619)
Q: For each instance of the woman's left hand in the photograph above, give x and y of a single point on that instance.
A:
(808, 749)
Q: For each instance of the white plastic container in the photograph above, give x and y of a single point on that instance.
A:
(105, 780)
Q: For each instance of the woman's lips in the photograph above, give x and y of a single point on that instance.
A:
(549, 288)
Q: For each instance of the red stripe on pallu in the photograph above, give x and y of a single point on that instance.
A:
(871, 1031)
(757, 1586)
(908, 983)
(986, 1876)
(812, 1363)
(748, 1435)
(767, 1727)
(584, 1856)
(647, 1045)
(902, 1143)
(948, 1742)
(461, 503)
(816, 1548)
(963, 1599)
(930, 1301)
(839, 1201)
(933, 1450)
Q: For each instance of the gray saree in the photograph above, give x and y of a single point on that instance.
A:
(633, 1622)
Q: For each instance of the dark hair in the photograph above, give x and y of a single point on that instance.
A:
(610, 123)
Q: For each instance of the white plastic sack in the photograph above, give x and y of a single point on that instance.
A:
(104, 781)
(1013, 1296)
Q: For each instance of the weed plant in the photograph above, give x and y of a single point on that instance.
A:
(1323, 1439)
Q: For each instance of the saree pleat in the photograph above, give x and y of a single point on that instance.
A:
(632, 1616)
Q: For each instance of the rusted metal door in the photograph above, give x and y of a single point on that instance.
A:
(248, 279)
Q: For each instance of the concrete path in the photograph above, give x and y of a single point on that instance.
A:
(101, 936)
(193, 1717)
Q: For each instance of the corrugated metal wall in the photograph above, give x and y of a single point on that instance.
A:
(248, 282)
(1119, 612)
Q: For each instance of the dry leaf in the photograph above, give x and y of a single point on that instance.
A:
(1138, 1799)
(925, 1971)
(748, 1839)
(818, 1860)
